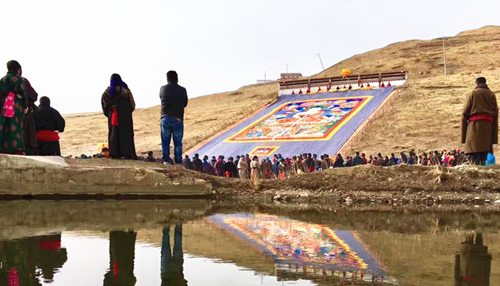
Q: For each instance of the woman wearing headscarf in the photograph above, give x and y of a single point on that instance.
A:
(117, 105)
(13, 103)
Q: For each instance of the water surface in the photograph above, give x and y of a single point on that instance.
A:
(204, 243)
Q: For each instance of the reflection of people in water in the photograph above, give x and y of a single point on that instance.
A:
(171, 262)
(20, 258)
(473, 262)
(121, 259)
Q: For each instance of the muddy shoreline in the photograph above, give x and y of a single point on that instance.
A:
(399, 185)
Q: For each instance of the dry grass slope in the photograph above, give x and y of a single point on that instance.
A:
(425, 116)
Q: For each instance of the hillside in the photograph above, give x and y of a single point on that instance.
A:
(424, 116)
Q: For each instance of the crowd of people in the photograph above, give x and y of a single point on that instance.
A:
(25, 128)
(278, 167)
(28, 129)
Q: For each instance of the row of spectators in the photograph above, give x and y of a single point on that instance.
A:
(279, 167)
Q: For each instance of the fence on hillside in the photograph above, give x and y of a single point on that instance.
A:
(305, 86)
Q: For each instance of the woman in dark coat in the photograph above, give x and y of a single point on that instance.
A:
(118, 105)
(49, 123)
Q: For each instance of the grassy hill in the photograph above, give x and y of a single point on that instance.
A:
(425, 116)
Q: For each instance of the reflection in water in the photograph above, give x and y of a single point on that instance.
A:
(172, 261)
(473, 263)
(24, 261)
(302, 252)
(121, 259)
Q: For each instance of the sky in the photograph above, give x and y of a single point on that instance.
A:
(69, 49)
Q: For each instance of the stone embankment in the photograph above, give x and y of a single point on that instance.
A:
(100, 178)
(52, 176)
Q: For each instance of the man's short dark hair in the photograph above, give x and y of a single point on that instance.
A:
(45, 101)
(480, 80)
(13, 66)
(172, 76)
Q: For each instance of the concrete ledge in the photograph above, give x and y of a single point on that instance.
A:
(52, 176)
(14, 161)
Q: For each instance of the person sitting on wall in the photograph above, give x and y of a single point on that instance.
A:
(49, 123)
(150, 158)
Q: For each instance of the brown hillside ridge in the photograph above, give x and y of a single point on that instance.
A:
(425, 116)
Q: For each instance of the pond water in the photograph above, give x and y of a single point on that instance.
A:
(207, 243)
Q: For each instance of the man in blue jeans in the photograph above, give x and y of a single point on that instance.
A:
(173, 101)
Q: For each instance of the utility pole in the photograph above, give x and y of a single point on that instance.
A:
(444, 56)
(265, 73)
(321, 62)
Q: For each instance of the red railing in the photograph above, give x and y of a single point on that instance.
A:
(340, 81)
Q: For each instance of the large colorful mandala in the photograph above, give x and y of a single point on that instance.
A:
(302, 121)
(294, 242)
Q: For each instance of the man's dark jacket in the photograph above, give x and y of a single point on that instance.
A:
(173, 100)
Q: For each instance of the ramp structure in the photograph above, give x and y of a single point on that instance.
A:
(303, 121)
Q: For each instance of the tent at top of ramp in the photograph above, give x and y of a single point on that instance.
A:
(295, 124)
